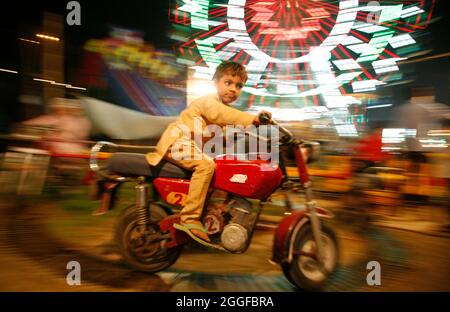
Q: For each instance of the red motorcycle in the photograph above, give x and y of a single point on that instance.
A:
(306, 249)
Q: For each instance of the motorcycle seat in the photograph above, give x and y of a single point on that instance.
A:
(134, 165)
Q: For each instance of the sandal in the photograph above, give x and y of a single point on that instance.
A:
(187, 227)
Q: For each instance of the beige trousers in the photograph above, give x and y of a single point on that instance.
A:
(203, 172)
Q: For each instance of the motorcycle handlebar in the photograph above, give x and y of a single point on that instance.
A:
(283, 130)
(265, 119)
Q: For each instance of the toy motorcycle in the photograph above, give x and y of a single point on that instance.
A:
(306, 249)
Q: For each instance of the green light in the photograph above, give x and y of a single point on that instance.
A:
(391, 13)
(199, 18)
(208, 52)
(379, 43)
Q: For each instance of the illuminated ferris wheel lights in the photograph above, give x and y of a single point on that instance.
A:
(385, 66)
(346, 64)
(366, 85)
(401, 41)
(411, 12)
(342, 45)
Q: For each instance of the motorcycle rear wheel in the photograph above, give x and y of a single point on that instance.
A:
(304, 271)
(137, 245)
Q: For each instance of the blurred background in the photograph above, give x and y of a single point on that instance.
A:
(369, 80)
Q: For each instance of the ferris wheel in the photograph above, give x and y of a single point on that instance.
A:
(316, 53)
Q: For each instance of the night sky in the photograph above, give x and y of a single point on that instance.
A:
(96, 16)
(23, 19)
(150, 16)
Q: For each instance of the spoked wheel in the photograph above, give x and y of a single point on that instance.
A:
(304, 271)
(142, 247)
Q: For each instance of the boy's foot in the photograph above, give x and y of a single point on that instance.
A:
(194, 229)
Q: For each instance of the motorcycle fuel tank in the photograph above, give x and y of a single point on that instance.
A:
(255, 179)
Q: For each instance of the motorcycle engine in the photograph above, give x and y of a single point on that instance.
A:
(236, 233)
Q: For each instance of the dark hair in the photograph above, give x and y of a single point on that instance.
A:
(233, 68)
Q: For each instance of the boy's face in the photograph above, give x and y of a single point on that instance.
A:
(229, 87)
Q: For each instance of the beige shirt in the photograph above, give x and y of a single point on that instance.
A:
(210, 110)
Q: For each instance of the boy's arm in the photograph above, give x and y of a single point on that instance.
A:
(220, 114)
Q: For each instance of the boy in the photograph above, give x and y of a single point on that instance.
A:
(229, 80)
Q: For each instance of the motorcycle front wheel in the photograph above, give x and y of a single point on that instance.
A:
(305, 271)
(140, 246)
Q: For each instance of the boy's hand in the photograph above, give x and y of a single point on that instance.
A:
(261, 119)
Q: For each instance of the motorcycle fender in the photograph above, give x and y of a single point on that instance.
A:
(287, 231)
(283, 233)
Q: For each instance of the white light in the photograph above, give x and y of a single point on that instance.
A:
(235, 12)
(190, 7)
(433, 143)
(411, 12)
(347, 16)
(362, 48)
(401, 41)
(435, 146)
(43, 80)
(346, 64)
(339, 101)
(369, 28)
(387, 65)
(366, 85)
(47, 37)
(350, 40)
(397, 135)
(238, 2)
(379, 106)
(292, 114)
(334, 40)
(58, 83)
(28, 40)
(197, 87)
(341, 28)
(347, 130)
(347, 77)
(320, 126)
(235, 24)
(284, 88)
(348, 4)
(439, 133)
(69, 86)
(9, 71)
(77, 88)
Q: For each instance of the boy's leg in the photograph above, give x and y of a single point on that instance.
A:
(203, 171)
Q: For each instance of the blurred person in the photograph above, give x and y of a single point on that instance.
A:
(445, 171)
(421, 112)
(366, 153)
(368, 150)
(69, 126)
(214, 108)
(418, 111)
